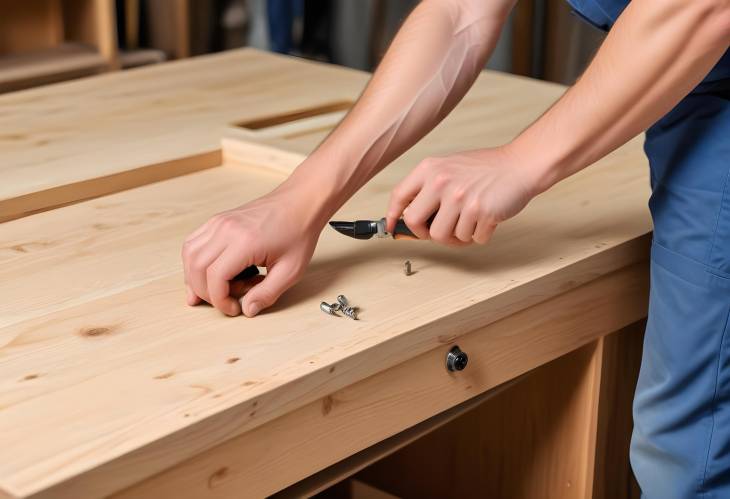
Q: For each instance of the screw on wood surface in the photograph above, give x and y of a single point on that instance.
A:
(342, 301)
(456, 359)
(351, 312)
(328, 309)
(407, 267)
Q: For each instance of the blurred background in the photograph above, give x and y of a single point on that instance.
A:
(45, 41)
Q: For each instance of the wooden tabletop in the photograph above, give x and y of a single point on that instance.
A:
(85, 132)
(108, 378)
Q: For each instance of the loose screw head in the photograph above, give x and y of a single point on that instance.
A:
(342, 300)
(407, 267)
(456, 359)
(327, 308)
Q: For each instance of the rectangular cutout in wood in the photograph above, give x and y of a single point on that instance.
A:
(299, 114)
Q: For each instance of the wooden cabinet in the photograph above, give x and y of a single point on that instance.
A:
(44, 41)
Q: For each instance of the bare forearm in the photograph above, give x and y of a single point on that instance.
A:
(656, 53)
(432, 62)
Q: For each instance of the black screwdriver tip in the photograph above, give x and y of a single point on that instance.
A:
(360, 229)
(346, 228)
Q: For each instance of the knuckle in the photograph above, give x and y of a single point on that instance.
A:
(441, 179)
(486, 215)
(197, 265)
(211, 273)
(458, 194)
(472, 208)
(228, 224)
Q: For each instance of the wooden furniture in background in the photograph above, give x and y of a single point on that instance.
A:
(44, 41)
(150, 398)
(169, 27)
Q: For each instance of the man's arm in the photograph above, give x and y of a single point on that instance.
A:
(656, 53)
(434, 59)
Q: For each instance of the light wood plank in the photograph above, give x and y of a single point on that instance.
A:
(29, 26)
(533, 440)
(262, 461)
(120, 122)
(357, 462)
(96, 313)
(118, 324)
(621, 362)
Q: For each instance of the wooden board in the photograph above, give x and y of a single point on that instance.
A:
(84, 132)
(621, 362)
(170, 360)
(29, 26)
(94, 23)
(94, 328)
(533, 440)
(281, 452)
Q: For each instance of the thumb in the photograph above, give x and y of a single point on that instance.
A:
(279, 277)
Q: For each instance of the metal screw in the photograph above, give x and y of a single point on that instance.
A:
(342, 300)
(456, 360)
(407, 267)
(327, 308)
(351, 312)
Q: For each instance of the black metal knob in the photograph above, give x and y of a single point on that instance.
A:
(456, 360)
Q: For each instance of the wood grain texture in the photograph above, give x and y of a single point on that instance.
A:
(345, 468)
(30, 26)
(111, 317)
(120, 122)
(620, 372)
(278, 454)
(93, 325)
(527, 442)
(93, 23)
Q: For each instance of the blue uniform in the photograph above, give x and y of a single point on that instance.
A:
(680, 447)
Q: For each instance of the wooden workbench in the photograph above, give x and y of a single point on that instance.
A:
(111, 386)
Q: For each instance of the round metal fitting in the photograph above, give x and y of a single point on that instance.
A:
(456, 360)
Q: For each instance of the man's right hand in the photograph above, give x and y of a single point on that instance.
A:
(276, 231)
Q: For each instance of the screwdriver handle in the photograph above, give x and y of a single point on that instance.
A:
(247, 273)
(401, 230)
